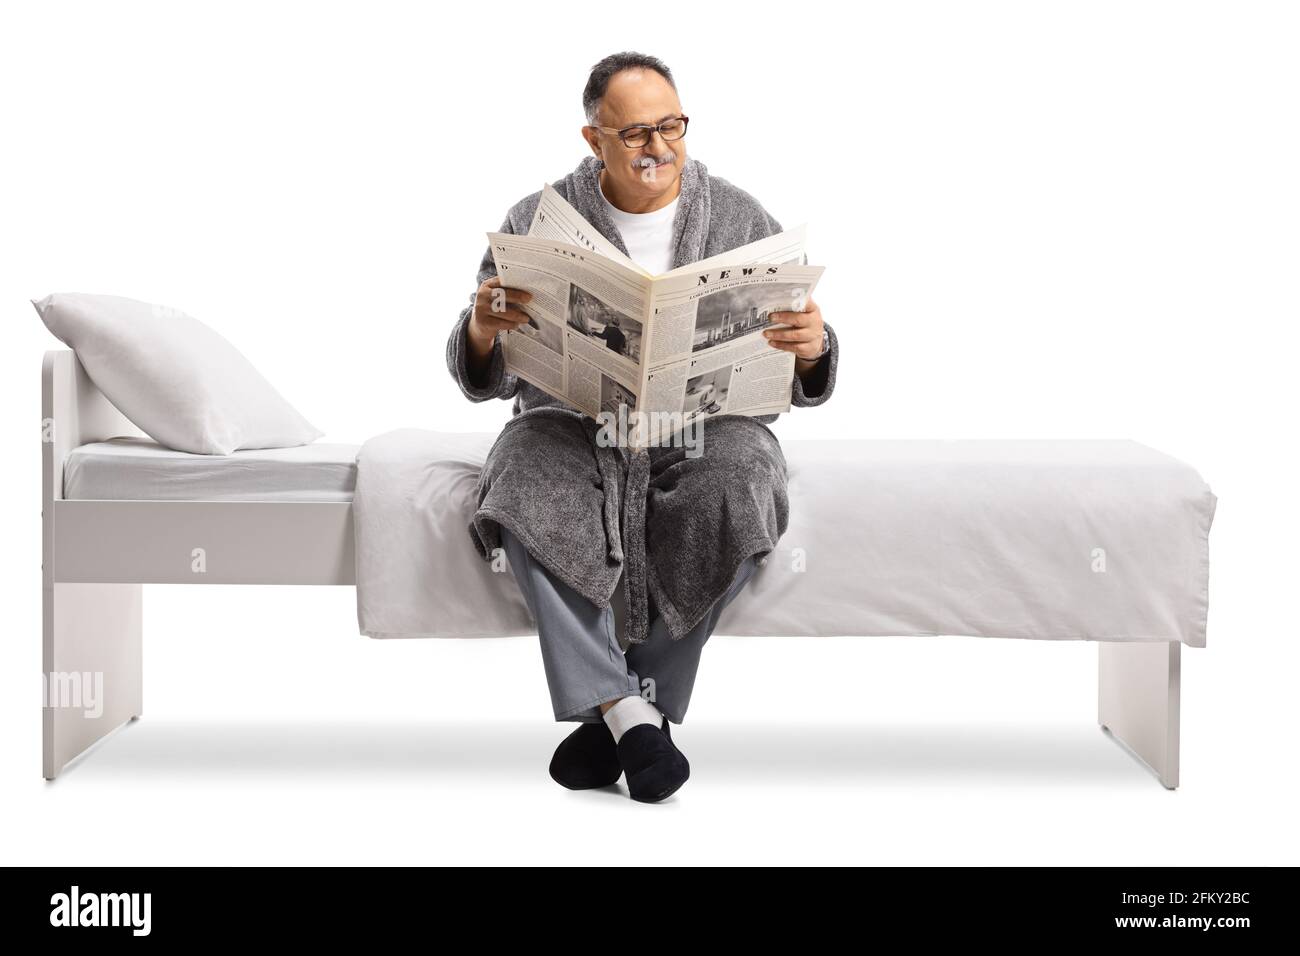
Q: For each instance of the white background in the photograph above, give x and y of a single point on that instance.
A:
(1038, 220)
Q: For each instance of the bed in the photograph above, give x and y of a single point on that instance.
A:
(1105, 541)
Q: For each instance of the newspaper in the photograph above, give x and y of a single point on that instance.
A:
(650, 355)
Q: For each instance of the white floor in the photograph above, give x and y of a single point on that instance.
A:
(885, 750)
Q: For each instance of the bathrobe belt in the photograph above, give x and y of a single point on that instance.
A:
(627, 544)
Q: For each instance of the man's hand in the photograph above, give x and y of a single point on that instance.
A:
(495, 308)
(804, 338)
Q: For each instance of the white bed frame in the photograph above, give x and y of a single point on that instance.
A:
(97, 555)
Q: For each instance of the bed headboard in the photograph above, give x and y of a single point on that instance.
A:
(73, 412)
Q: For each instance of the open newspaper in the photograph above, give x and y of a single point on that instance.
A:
(650, 354)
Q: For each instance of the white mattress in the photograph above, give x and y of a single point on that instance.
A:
(141, 469)
(1047, 540)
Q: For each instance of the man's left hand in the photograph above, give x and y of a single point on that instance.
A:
(804, 338)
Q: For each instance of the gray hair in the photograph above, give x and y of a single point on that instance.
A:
(603, 72)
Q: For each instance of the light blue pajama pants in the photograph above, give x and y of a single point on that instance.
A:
(585, 665)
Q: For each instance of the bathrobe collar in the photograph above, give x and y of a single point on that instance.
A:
(690, 225)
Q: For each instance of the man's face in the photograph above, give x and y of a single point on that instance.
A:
(649, 171)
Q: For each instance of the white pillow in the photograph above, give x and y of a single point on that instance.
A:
(177, 380)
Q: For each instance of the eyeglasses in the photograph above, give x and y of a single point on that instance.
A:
(634, 137)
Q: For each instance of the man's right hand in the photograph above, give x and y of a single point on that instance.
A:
(495, 308)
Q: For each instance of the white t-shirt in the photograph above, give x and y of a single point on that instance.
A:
(648, 235)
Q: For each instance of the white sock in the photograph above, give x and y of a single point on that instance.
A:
(629, 712)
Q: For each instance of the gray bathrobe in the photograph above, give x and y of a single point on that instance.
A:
(676, 528)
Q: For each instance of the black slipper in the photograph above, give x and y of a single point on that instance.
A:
(654, 766)
(587, 758)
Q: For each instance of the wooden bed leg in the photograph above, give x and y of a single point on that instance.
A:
(1138, 701)
(92, 667)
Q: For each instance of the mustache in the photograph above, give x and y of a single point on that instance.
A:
(645, 162)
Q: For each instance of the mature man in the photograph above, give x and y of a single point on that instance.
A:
(684, 533)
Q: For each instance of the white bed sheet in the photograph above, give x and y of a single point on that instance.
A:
(1100, 540)
(1046, 540)
(139, 469)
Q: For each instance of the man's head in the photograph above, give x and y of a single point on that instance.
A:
(630, 89)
